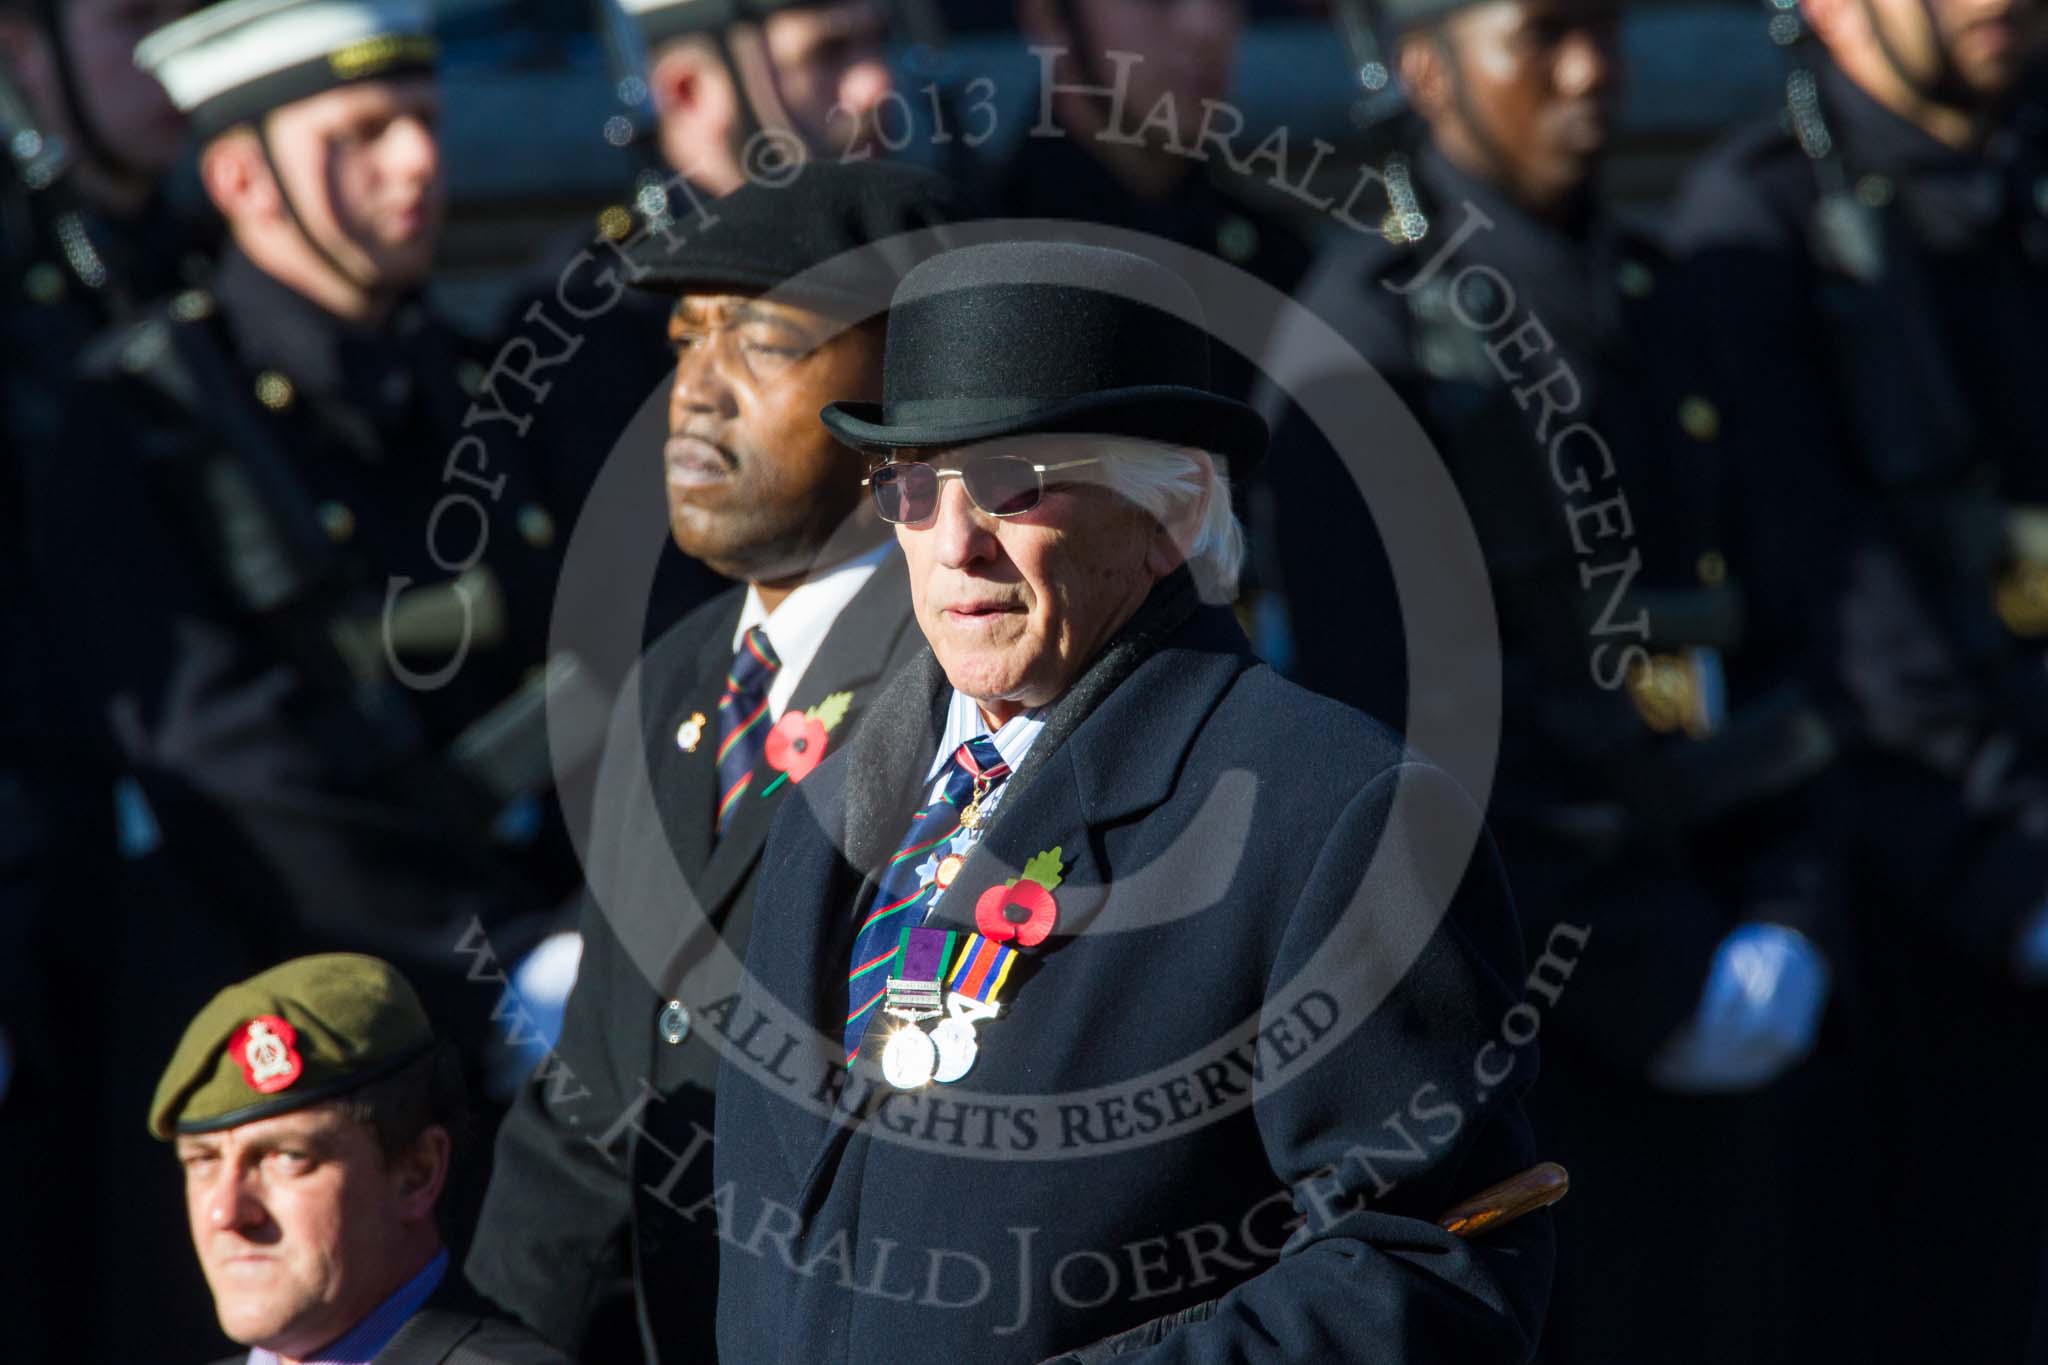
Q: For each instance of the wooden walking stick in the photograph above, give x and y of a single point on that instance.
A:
(1498, 1205)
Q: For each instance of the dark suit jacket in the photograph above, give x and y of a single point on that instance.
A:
(570, 1225)
(447, 1336)
(1197, 1060)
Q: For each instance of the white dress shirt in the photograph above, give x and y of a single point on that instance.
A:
(797, 628)
(963, 722)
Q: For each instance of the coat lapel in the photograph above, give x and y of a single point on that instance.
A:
(856, 655)
(853, 658)
(686, 780)
(1048, 817)
(428, 1338)
(1114, 759)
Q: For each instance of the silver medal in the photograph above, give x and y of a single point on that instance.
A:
(909, 1058)
(954, 1039)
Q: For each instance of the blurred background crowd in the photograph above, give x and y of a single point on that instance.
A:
(1725, 321)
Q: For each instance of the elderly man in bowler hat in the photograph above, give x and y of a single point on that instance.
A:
(1130, 1006)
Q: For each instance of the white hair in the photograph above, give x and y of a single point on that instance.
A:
(1170, 482)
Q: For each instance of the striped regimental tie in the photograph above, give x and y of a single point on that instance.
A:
(743, 720)
(905, 887)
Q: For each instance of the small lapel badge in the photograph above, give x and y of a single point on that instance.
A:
(1023, 908)
(690, 733)
(674, 1023)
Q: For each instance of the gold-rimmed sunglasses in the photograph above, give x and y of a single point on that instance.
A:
(907, 491)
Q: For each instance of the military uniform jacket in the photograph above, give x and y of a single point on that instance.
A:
(569, 1226)
(297, 816)
(1615, 805)
(1133, 1138)
(1879, 371)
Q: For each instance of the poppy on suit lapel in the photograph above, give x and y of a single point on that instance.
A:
(1022, 908)
(797, 743)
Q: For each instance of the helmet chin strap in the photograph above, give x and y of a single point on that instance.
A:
(1461, 99)
(291, 211)
(746, 121)
(1947, 88)
(1482, 136)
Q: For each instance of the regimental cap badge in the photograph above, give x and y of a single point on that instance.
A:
(263, 1049)
(308, 1030)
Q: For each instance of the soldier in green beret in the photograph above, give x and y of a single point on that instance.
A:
(315, 1115)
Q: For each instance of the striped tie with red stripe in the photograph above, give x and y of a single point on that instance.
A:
(743, 720)
(905, 886)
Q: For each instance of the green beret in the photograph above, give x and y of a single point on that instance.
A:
(305, 1031)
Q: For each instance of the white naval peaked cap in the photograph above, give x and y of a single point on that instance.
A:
(660, 20)
(240, 59)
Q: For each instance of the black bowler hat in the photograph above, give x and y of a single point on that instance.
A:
(1017, 338)
(814, 238)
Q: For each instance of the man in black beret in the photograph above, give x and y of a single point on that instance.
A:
(777, 310)
(739, 88)
(315, 1116)
(1094, 975)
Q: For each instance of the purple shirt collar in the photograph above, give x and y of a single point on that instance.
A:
(361, 1343)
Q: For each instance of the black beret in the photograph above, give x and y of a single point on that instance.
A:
(816, 236)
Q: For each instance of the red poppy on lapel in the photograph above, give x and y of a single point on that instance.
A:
(1023, 908)
(797, 743)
